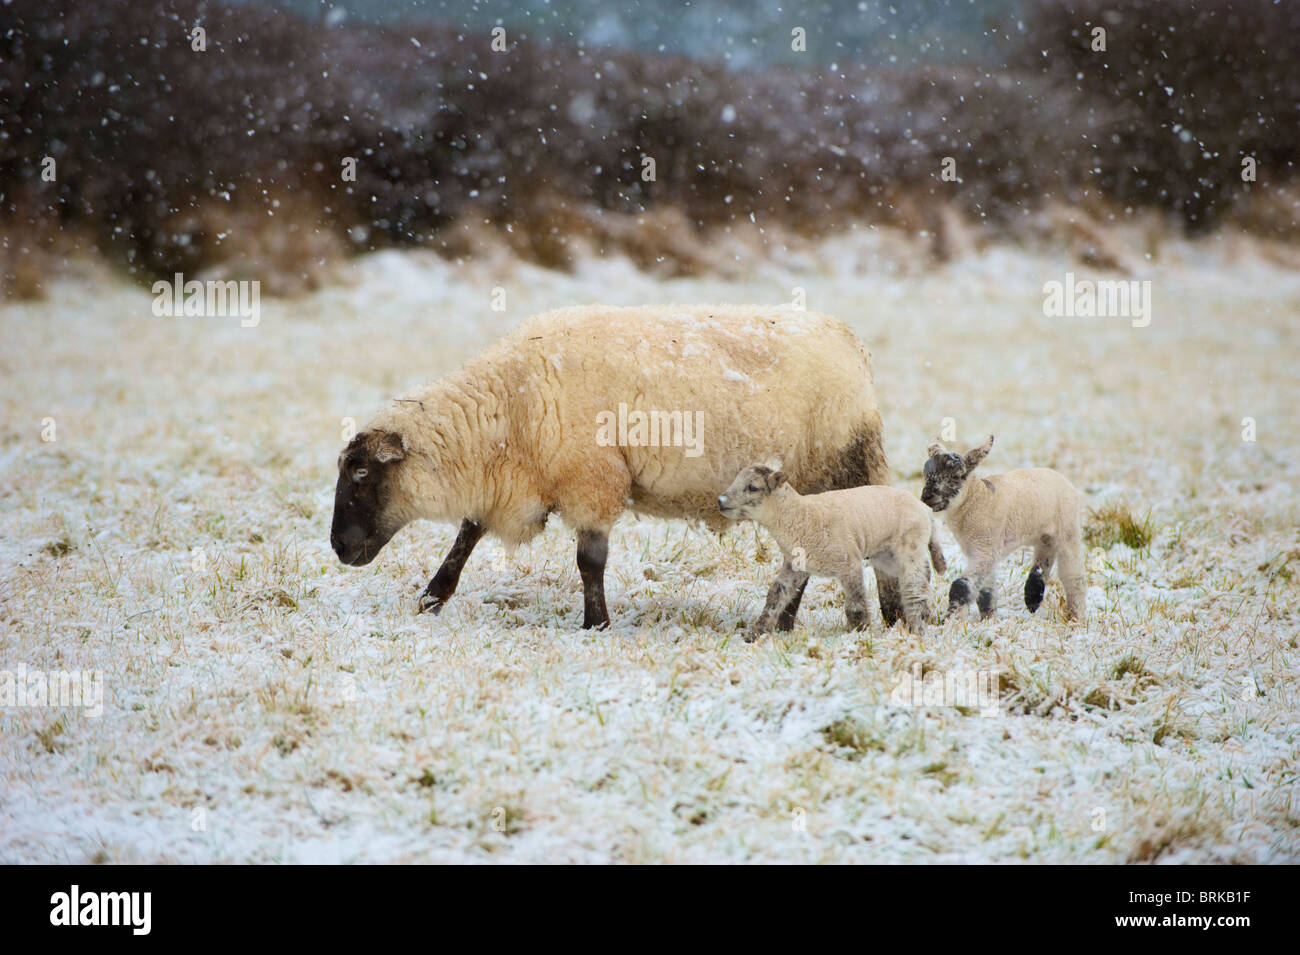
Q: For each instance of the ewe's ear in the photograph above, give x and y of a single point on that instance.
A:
(976, 455)
(934, 448)
(773, 463)
(390, 447)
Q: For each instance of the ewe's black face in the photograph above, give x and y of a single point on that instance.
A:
(367, 467)
(748, 491)
(945, 473)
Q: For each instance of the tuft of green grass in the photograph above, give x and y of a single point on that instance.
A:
(851, 734)
(59, 548)
(1131, 664)
(942, 772)
(49, 737)
(1116, 524)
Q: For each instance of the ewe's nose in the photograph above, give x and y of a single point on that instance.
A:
(348, 543)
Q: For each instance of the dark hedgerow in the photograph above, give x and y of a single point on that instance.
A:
(230, 160)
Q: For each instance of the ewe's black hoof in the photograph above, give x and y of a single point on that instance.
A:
(430, 604)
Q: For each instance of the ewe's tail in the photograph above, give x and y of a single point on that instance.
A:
(936, 552)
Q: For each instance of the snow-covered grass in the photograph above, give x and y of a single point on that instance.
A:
(174, 537)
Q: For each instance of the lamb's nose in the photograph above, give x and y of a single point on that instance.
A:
(722, 500)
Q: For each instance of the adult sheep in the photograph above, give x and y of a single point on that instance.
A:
(550, 420)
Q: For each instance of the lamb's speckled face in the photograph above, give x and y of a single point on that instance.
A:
(367, 468)
(752, 486)
(946, 473)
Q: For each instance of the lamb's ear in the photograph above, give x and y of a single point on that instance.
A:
(975, 455)
(390, 447)
(934, 448)
(776, 480)
(773, 463)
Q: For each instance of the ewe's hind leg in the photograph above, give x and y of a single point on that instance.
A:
(443, 584)
(590, 495)
(788, 585)
(593, 549)
(855, 599)
(1036, 585)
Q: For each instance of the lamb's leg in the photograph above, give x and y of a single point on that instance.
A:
(788, 585)
(985, 577)
(855, 599)
(786, 621)
(1036, 585)
(959, 596)
(593, 549)
(1069, 569)
(916, 592)
(443, 584)
(891, 598)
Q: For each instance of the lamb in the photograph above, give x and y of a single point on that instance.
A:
(991, 517)
(584, 412)
(831, 534)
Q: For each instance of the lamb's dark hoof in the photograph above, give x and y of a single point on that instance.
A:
(986, 603)
(1035, 587)
(959, 595)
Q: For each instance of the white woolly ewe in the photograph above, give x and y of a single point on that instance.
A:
(521, 432)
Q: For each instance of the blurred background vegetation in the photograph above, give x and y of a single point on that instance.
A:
(228, 162)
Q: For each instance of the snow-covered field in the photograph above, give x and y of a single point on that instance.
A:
(264, 703)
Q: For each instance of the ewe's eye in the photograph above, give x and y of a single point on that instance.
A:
(358, 474)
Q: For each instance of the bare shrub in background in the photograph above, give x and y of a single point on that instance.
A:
(229, 161)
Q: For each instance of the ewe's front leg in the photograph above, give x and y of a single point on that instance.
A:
(443, 584)
(593, 549)
(787, 587)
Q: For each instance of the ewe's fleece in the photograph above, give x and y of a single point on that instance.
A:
(511, 436)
